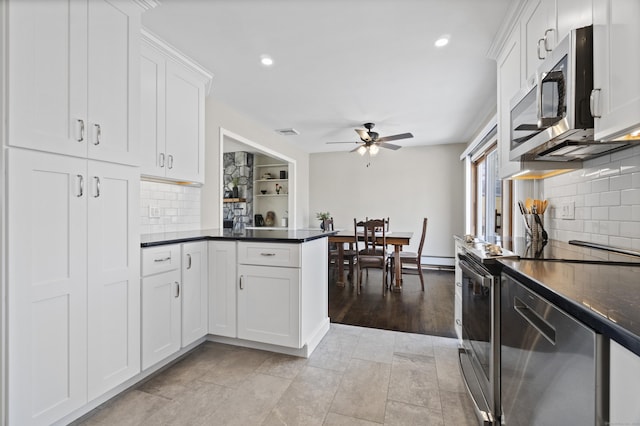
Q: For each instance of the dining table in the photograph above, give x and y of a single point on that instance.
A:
(397, 239)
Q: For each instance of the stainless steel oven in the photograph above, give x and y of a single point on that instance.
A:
(480, 352)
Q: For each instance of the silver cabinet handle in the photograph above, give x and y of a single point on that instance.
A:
(80, 130)
(267, 254)
(170, 161)
(98, 134)
(546, 39)
(164, 259)
(459, 284)
(80, 186)
(241, 286)
(97, 179)
(459, 322)
(540, 55)
(594, 103)
(161, 159)
(177, 294)
(543, 327)
(188, 261)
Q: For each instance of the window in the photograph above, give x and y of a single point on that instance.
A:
(487, 195)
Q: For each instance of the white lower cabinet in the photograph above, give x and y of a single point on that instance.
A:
(161, 305)
(269, 305)
(222, 288)
(174, 299)
(73, 302)
(194, 291)
(273, 293)
(624, 375)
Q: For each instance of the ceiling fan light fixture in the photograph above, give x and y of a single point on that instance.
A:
(373, 149)
(362, 150)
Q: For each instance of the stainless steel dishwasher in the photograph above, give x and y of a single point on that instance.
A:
(549, 363)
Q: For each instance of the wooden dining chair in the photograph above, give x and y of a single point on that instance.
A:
(373, 254)
(414, 258)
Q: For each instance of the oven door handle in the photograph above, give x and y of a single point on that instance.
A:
(484, 280)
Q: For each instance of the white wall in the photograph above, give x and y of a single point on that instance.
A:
(219, 116)
(404, 185)
(606, 193)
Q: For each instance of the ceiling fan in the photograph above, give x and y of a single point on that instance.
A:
(370, 140)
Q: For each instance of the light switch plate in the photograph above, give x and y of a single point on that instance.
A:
(568, 210)
(154, 212)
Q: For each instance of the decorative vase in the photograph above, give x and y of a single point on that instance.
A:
(235, 192)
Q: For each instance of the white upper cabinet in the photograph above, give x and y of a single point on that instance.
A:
(538, 27)
(509, 81)
(572, 14)
(74, 77)
(615, 101)
(173, 92)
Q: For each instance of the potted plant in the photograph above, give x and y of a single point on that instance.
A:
(323, 217)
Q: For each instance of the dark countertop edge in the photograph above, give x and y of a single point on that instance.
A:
(596, 322)
(236, 238)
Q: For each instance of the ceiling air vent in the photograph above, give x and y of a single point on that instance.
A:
(288, 132)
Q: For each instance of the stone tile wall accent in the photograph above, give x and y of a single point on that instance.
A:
(239, 165)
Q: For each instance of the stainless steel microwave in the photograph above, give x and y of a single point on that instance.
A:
(552, 120)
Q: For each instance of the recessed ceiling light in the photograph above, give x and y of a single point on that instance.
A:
(266, 60)
(442, 41)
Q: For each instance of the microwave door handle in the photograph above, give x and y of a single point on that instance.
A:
(551, 77)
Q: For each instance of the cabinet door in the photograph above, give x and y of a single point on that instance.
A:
(48, 70)
(269, 305)
(616, 96)
(152, 98)
(624, 376)
(222, 288)
(538, 34)
(46, 273)
(114, 275)
(160, 317)
(572, 14)
(194, 291)
(509, 80)
(113, 75)
(184, 124)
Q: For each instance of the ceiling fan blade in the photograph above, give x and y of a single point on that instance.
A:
(364, 135)
(356, 148)
(344, 142)
(395, 137)
(389, 146)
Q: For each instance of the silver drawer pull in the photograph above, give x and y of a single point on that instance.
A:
(241, 287)
(188, 261)
(81, 186)
(97, 194)
(177, 289)
(79, 130)
(543, 327)
(267, 254)
(459, 284)
(163, 259)
(98, 134)
(459, 322)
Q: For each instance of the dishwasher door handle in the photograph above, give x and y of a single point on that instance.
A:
(543, 327)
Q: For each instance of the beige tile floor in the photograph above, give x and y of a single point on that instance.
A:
(356, 376)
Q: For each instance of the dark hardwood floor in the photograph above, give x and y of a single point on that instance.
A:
(412, 310)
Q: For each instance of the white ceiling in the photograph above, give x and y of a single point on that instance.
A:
(341, 63)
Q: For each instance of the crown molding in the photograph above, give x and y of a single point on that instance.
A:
(509, 22)
(177, 56)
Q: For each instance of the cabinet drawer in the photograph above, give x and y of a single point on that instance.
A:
(269, 254)
(160, 259)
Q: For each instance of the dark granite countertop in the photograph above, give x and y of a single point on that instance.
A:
(605, 297)
(264, 235)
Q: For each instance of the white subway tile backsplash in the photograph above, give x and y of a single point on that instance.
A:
(606, 195)
(179, 207)
(611, 198)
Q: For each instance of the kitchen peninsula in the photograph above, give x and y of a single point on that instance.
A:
(265, 289)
